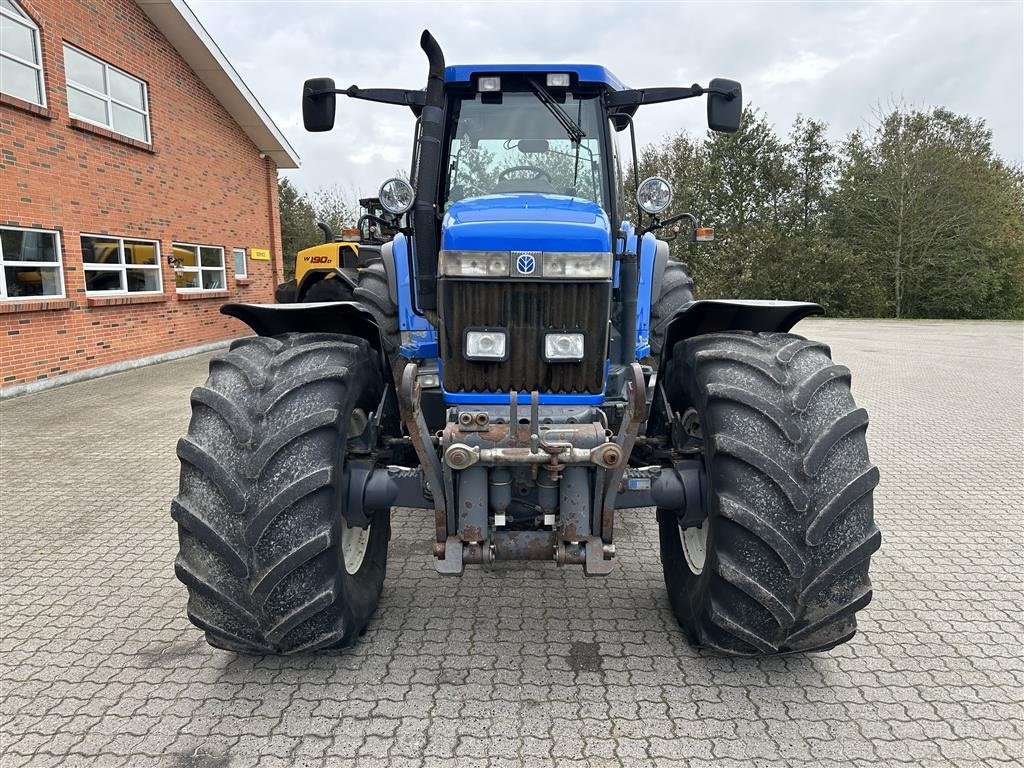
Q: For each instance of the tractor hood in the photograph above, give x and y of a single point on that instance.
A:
(526, 222)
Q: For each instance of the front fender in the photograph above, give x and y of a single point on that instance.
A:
(326, 317)
(714, 315)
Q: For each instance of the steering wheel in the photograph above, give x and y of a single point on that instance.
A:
(537, 172)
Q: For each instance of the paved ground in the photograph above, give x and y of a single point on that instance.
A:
(528, 664)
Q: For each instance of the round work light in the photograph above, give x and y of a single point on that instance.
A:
(654, 194)
(396, 195)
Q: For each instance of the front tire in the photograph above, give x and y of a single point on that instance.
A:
(265, 553)
(790, 529)
(328, 289)
(286, 292)
(371, 291)
(676, 293)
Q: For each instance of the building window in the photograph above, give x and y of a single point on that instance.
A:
(121, 265)
(104, 95)
(21, 58)
(30, 264)
(240, 267)
(199, 267)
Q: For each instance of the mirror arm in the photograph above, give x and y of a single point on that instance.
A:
(729, 94)
(679, 217)
(641, 96)
(399, 96)
(662, 223)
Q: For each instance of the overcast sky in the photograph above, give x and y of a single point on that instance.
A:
(833, 61)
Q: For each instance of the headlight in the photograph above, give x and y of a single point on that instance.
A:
(396, 195)
(486, 344)
(654, 194)
(563, 347)
(473, 263)
(577, 264)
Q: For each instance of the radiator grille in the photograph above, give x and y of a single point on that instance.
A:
(527, 310)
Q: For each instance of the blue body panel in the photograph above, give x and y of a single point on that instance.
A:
(586, 73)
(490, 398)
(644, 299)
(526, 222)
(648, 248)
(420, 336)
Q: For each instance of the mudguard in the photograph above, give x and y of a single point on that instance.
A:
(327, 317)
(713, 315)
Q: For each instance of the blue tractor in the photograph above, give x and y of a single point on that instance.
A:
(524, 361)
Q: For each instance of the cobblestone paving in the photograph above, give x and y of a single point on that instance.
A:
(528, 664)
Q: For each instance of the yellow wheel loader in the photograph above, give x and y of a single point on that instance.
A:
(324, 272)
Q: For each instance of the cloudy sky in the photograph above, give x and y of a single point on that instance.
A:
(835, 61)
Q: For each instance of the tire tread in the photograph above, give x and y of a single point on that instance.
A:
(260, 484)
(792, 487)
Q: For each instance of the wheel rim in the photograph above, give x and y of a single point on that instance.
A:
(354, 542)
(694, 539)
(695, 547)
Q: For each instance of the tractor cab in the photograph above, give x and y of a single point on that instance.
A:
(523, 132)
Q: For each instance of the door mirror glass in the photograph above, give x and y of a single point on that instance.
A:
(724, 111)
(318, 104)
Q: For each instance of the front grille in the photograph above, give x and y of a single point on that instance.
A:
(527, 309)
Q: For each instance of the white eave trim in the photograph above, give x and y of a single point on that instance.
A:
(190, 39)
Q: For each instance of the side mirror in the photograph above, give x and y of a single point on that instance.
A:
(724, 111)
(318, 104)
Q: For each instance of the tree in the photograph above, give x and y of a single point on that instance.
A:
(298, 223)
(335, 207)
(810, 161)
(301, 212)
(915, 217)
(929, 209)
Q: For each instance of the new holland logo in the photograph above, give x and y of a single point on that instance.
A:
(526, 263)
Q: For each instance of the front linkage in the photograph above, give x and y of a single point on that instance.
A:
(524, 488)
(569, 475)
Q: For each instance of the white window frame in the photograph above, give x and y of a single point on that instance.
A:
(58, 264)
(244, 274)
(122, 267)
(199, 268)
(26, 21)
(110, 100)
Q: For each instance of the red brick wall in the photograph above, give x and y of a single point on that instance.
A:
(202, 181)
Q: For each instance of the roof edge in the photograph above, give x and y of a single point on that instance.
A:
(182, 28)
(587, 73)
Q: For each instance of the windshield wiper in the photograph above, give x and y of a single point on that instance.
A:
(576, 134)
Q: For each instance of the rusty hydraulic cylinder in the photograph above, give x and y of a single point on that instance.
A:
(547, 497)
(472, 497)
(499, 487)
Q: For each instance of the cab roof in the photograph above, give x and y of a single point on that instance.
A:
(586, 73)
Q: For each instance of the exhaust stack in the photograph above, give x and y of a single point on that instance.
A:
(424, 212)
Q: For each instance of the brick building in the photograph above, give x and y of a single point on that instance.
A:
(138, 187)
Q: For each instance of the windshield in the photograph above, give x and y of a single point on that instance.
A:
(517, 145)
